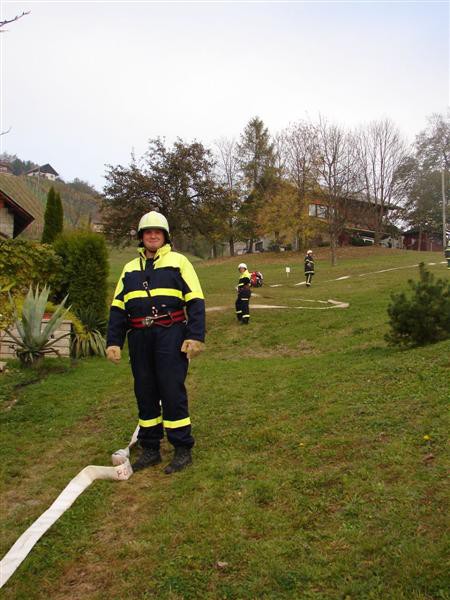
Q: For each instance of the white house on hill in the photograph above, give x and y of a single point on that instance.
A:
(46, 171)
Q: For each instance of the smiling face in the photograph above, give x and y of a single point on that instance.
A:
(153, 239)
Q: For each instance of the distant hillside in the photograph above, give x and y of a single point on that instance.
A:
(81, 203)
(16, 165)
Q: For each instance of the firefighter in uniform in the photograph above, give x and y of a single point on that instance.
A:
(309, 267)
(159, 302)
(447, 253)
(243, 295)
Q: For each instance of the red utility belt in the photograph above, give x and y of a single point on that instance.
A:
(164, 320)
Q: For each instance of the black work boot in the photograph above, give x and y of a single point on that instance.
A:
(148, 458)
(181, 459)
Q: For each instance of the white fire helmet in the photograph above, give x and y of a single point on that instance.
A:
(309, 252)
(242, 266)
(153, 220)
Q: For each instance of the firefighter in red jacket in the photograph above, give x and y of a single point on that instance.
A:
(243, 297)
(159, 302)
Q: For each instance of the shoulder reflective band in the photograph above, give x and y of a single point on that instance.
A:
(121, 471)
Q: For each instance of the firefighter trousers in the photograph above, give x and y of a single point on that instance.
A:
(243, 305)
(159, 369)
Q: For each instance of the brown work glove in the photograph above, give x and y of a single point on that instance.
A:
(113, 353)
(192, 348)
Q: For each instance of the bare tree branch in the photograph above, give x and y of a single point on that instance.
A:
(337, 177)
(381, 152)
(16, 18)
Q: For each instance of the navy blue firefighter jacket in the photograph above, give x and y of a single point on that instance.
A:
(173, 285)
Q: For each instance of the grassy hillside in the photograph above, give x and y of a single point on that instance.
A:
(78, 206)
(319, 465)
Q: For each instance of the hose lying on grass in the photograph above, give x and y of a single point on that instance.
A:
(121, 471)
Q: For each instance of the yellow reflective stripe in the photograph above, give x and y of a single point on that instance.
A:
(166, 292)
(150, 422)
(192, 295)
(136, 294)
(175, 424)
(245, 316)
(118, 303)
(155, 292)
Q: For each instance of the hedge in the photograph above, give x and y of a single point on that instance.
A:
(85, 272)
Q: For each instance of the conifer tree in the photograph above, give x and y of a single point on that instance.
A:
(59, 213)
(423, 317)
(53, 217)
(257, 158)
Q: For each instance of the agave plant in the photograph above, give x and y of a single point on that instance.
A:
(33, 342)
(91, 320)
(90, 341)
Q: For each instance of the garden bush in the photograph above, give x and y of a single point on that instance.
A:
(85, 272)
(23, 264)
(423, 317)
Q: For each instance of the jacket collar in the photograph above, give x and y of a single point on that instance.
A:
(160, 252)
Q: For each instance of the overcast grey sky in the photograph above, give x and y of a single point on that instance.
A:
(85, 82)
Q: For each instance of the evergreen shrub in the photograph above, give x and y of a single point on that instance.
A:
(53, 217)
(423, 317)
(85, 272)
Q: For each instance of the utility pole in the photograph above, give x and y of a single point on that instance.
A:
(444, 214)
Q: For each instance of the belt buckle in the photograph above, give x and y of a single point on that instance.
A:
(148, 321)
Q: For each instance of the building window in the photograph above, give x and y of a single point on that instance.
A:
(318, 210)
(322, 211)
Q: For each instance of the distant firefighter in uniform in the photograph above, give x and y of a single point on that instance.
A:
(309, 267)
(243, 295)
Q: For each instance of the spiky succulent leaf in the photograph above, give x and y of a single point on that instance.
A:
(32, 342)
(56, 319)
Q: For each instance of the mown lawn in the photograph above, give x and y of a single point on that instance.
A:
(312, 478)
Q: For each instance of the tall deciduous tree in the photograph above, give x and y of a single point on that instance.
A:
(425, 178)
(433, 144)
(336, 176)
(424, 202)
(433, 154)
(279, 216)
(256, 157)
(300, 163)
(228, 173)
(53, 217)
(178, 181)
(381, 153)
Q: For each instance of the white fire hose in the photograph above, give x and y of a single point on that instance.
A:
(121, 471)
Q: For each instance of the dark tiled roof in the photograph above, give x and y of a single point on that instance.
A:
(44, 169)
(19, 195)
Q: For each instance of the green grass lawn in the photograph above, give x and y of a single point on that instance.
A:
(311, 478)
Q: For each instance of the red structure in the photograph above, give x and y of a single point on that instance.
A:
(422, 240)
